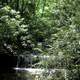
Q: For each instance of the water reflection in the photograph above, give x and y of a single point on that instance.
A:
(19, 75)
(8, 76)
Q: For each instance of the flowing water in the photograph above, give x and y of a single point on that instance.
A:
(33, 74)
(21, 72)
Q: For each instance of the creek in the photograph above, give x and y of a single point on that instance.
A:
(24, 70)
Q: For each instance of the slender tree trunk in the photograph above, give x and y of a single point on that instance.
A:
(17, 5)
(22, 8)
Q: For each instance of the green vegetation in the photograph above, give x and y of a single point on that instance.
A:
(43, 27)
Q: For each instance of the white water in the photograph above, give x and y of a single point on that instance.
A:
(33, 70)
(38, 70)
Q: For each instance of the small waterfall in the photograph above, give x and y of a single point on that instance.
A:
(24, 61)
(23, 68)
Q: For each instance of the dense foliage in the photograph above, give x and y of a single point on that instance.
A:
(43, 27)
